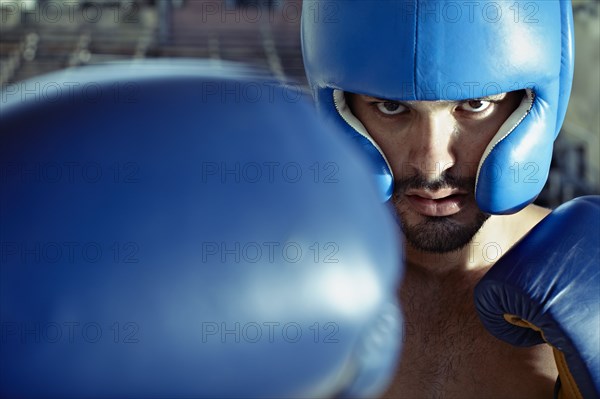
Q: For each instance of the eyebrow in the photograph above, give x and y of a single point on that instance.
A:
(495, 97)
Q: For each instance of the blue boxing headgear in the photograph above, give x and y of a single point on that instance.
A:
(424, 50)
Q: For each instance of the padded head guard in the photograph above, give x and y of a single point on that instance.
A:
(431, 50)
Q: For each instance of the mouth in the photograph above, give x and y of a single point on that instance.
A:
(445, 202)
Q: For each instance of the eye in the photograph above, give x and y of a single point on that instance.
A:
(390, 107)
(475, 105)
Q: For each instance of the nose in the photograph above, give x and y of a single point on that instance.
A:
(430, 145)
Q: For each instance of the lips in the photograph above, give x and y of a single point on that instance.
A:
(440, 203)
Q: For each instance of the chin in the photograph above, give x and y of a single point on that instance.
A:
(440, 234)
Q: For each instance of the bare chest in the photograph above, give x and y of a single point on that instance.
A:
(447, 353)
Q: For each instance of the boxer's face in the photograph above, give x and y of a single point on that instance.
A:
(434, 148)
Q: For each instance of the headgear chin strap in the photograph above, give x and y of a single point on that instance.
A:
(428, 50)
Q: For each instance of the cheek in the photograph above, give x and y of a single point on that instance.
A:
(388, 136)
(395, 146)
(472, 141)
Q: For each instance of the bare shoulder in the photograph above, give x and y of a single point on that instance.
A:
(532, 214)
(537, 211)
(522, 222)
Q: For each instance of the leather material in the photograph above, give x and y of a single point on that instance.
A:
(431, 50)
(180, 229)
(551, 280)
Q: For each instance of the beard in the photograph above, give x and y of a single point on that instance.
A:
(438, 234)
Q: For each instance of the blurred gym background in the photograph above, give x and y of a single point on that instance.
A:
(40, 36)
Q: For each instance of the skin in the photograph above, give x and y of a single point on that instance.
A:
(447, 352)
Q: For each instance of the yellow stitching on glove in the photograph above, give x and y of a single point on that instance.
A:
(568, 389)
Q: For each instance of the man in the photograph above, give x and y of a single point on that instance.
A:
(457, 104)
(449, 245)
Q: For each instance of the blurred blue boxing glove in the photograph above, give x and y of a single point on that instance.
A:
(179, 229)
(547, 289)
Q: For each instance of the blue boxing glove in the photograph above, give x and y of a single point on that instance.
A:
(179, 229)
(547, 289)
